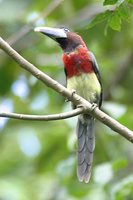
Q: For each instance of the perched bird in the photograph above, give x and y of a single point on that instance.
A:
(82, 74)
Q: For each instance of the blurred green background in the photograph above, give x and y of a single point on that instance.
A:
(38, 159)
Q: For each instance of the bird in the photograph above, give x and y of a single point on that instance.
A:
(83, 77)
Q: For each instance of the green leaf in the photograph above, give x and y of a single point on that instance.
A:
(115, 21)
(110, 2)
(124, 12)
(99, 18)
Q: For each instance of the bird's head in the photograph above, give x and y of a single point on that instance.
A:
(68, 40)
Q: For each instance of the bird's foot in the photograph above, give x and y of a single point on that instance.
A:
(94, 105)
(73, 92)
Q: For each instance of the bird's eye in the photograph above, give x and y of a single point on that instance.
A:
(66, 30)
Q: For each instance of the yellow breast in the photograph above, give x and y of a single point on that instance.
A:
(86, 85)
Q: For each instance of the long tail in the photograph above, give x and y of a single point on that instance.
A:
(86, 145)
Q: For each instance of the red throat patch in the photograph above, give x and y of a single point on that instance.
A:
(77, 62)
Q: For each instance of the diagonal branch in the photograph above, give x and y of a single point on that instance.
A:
(70, 95)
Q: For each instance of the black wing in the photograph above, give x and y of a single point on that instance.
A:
(96, 70)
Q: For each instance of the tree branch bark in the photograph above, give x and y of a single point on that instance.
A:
(51, 117)
(70, 95)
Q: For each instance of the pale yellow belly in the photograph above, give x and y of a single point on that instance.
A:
(86, 85)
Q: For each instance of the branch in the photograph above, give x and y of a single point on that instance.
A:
(60, 116)
(70, 95)
(28, 27)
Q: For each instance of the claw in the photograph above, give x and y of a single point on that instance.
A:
(94, 105)
(80, 106)
(73, 92)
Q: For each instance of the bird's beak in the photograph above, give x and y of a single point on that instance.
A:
(53, 33)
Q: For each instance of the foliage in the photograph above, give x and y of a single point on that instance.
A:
(38, 159)
(114, 16)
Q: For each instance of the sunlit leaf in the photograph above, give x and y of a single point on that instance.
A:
(115, 21)
(124, 12)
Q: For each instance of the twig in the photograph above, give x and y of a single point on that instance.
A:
(76, 99)
(60, 116)
(25, 29)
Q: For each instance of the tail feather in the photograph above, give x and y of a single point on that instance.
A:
(86, 145)
(81, 144)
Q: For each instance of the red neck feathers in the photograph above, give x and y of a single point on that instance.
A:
(77, 62)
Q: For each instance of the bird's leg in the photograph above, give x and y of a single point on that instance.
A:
(93, 106)
(73, 92)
